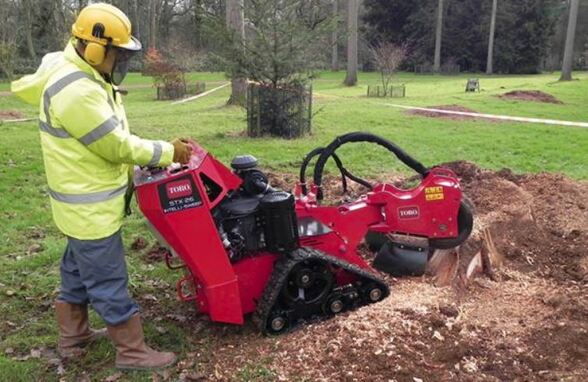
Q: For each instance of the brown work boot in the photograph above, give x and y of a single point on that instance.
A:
(74, 329)
(131, 350)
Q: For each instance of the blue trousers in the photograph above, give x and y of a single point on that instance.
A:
(95, 272)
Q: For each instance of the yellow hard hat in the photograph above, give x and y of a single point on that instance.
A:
(102, 25)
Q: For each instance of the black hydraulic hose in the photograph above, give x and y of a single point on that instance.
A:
(356, 179)
(307, 160)
(344, 172)
(362, 137)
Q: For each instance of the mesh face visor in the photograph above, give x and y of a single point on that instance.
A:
(121, 65)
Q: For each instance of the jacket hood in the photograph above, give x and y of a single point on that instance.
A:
(30, 87)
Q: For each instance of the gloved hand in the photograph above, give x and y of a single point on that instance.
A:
(182, 150)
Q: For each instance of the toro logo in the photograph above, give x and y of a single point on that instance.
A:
(408, 212)
(179, 189)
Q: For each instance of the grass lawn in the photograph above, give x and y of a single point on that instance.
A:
(30, 246)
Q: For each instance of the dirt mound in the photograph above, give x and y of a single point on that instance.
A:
(539, 221)
(10, 114)
(454, 117)
(531, 95)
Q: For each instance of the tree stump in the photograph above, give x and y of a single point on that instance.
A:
(459, 265)
(473, 85)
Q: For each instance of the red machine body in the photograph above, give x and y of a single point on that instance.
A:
(428, 210)
(178, 202)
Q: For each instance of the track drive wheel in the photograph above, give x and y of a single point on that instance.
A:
(309, 282)
(334, 305)
(278, 323)
(303, 286)
(373, 293)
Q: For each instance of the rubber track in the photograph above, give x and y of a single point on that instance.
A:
(280, 274)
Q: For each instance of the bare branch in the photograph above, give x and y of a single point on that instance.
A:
(387, 58)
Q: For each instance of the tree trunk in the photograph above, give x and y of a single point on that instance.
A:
(196, 23)
(489, 61)
(234, 19)
(164, 22)
(7, 70)
(136, 25)
(57, 24)
(334, 39)
(27, 9)
(437, 62)
(153, 24)
(566, 70)
(352, 16)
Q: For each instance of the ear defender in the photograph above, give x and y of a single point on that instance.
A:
(95, 52)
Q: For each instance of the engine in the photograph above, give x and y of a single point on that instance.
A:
(256, 217)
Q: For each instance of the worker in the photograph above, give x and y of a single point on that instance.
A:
(88, 154)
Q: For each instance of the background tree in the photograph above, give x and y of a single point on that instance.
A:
(388, 19)
(387, 59)
(154, 6)
(27, 10)
(168, 78)
(335, 39)
(523, 37)
(352, 20)
(566, 70)
(8, 37)
(284, 45)
(438, 33)
(236, 25)
(179, 28)
(520, 44)
(529, 36)
(490, 59)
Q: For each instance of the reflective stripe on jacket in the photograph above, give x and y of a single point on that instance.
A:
(88, 150)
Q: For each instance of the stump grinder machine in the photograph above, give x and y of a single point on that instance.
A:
(287, 258)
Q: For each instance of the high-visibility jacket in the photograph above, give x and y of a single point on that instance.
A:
(88, 150)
